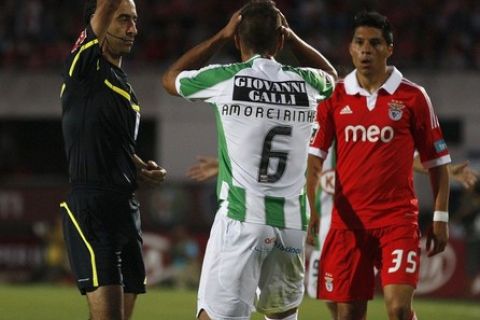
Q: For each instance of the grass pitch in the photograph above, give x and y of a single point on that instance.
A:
(49, 302)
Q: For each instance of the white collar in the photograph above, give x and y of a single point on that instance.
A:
(352, 87)
(259, 56)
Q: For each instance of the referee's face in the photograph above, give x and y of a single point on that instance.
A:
(123, 29)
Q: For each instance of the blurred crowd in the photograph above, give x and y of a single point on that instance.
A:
(431, 34)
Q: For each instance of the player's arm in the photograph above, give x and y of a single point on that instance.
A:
(314, 170)
(437, 236)
(199, 55)
(103, 16)
(417, 165)
(205, 168)
(460, 172)
(308, 55)
(149, 172)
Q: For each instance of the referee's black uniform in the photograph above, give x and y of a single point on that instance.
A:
(100, 119)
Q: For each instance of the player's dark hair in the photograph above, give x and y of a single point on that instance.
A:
(89, 10)
(260, 25)
(375, 20)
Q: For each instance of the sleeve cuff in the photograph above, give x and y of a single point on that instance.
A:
(317, 152)
(437, 162)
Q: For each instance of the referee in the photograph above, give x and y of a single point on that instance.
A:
(100, 120)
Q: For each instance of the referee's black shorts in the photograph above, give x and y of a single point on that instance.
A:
(103, 239)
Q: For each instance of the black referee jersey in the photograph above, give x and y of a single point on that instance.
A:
(100, 119)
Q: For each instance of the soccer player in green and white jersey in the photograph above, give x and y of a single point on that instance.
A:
(265, 112)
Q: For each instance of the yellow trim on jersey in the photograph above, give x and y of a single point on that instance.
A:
(118, 90)
(89, 247)
(77, 56)
(123, 93)
(136, 107)
(62, 89)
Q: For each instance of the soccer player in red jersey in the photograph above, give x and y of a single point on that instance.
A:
(378, 119)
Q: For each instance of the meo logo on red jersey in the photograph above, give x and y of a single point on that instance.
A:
(371, 133)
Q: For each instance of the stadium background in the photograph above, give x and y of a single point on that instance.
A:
(437, 44)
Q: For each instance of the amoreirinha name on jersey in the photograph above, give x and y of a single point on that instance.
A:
(280, 114)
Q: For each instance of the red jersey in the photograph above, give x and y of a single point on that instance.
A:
(377, 135)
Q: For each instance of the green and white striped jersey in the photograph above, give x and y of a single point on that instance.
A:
(264, 112)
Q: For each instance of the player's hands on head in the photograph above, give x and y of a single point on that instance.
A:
(231, 28)
(437, 238)
(205, 168)
(149, 172)
(284, 20)
(462, 173)
(285, 28)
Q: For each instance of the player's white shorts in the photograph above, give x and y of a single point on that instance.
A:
(247, 265)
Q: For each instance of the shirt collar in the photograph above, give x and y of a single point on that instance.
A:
(257, 55)
(352, 87)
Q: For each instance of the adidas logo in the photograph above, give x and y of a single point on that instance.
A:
(346, 110)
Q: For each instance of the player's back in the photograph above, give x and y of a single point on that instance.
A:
(265, 113)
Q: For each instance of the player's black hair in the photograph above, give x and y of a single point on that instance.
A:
(89, 10)
(375, 20)
(260, 25)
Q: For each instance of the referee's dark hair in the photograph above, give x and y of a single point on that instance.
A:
(89, 10)
(375, 20)
(259, 26)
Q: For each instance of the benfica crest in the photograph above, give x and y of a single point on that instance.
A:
(328, 282)
(395, 109)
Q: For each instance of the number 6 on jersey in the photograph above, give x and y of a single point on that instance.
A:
(267, 154)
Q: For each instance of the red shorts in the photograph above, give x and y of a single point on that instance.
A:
(346, 270)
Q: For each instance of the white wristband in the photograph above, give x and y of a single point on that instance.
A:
(440, 216)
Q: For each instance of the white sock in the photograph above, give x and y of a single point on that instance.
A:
(293, 316)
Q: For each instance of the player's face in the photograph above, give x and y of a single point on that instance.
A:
(123, 28)
(369, 51)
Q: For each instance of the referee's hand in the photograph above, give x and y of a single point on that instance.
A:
(149, 172)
